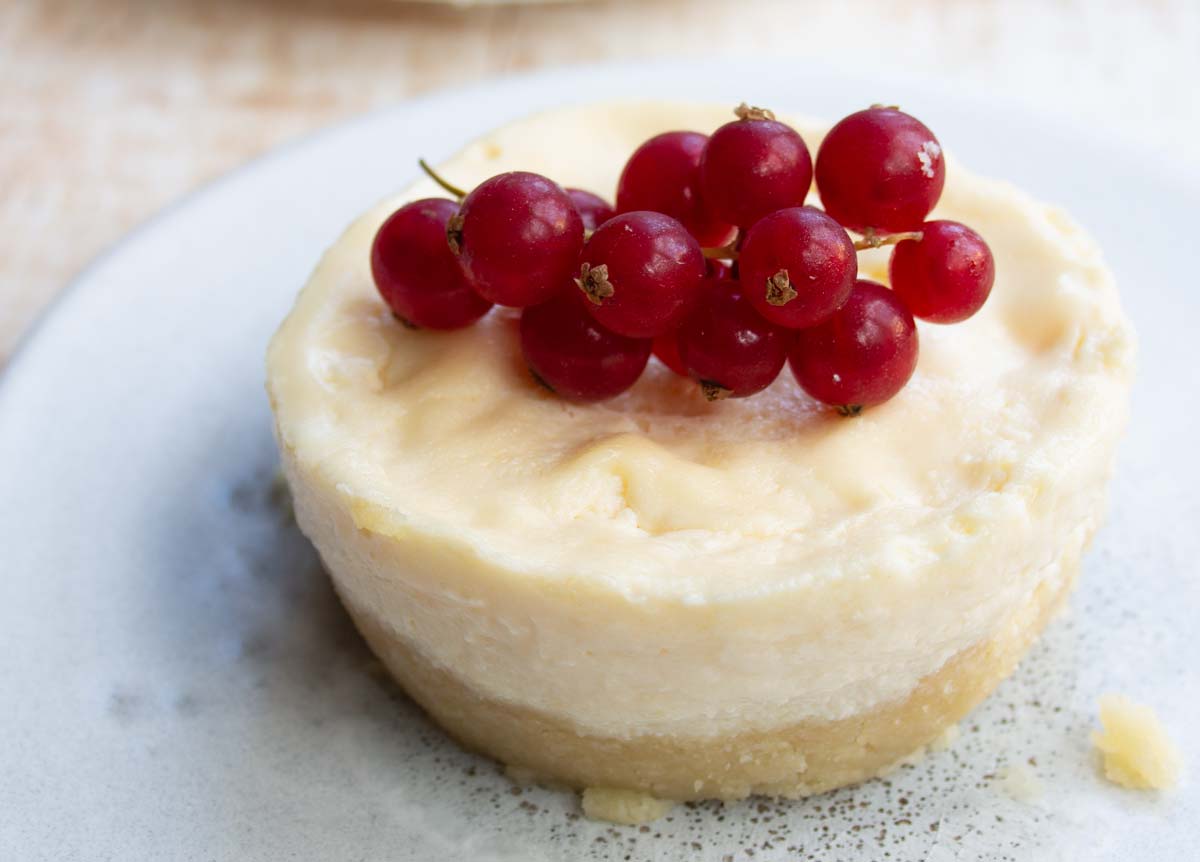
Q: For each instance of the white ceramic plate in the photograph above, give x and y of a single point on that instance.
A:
(178, 681)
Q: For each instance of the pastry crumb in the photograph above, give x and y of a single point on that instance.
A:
(629, 807)
(1019, 782)
(1136, 749)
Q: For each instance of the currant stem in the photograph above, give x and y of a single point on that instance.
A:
(870, 239)
(873, 240)
(458, 193)
(721, 252)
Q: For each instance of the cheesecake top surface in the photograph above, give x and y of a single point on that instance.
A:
(659, 494)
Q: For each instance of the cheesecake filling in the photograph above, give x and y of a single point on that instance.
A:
(659, 564)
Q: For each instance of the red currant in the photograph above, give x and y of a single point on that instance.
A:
(518, 238)
(754, 166)
(663, 176)
(727, 345)
(574, 356)
(666, 348)
(797, 266)
(640, 272)
(715, 268)
(593, 209)
(862, 355)
(945, 276)
(415, 272)
(880, 169)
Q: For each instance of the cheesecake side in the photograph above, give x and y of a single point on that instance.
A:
(699, 600)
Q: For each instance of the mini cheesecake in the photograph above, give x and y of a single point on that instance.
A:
(689, 599)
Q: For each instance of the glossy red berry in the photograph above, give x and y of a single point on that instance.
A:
(797, 266)
(753, 167)
(715, 268)
(663, 176)
(593, 209)
(666, 348)
(574, 356)
(640, 273)
(728, 346)
(880, 169)
(945, 276)
(862, 355)
(415, 272)
(517, 237)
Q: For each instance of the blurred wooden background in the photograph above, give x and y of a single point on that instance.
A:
(109, 109)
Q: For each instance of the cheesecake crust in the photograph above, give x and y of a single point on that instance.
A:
(794, 761)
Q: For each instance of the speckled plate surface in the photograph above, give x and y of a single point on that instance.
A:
(179, 682)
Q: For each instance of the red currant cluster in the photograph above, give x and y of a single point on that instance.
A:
(711, 261)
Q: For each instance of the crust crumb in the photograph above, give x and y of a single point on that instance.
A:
(1136, 749)
(629, 807)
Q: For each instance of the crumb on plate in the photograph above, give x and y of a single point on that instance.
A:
(630, 807)
(1136, 749)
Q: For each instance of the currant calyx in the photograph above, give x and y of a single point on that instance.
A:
(640, 273)
(797, 266)
(593, 281)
